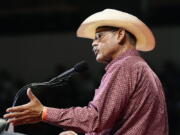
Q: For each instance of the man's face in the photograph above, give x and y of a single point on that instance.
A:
(106, 45)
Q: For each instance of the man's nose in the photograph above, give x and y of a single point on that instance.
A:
(94, 43)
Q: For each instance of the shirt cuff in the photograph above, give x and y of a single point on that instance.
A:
(44, 113)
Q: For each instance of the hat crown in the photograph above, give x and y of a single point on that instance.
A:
(108, 14)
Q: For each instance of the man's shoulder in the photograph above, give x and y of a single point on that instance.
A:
(131, 61)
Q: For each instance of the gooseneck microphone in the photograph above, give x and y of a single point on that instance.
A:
(56, 81)
(79, 67)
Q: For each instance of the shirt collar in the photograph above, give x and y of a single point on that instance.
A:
(131, 52)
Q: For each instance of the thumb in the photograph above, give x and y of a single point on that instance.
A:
(30, 95)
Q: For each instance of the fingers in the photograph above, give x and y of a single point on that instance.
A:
(27, 113)
(14, 119)
(25, 106)
(15, 114)
(21, 120)
(30, 95)
(17, 108)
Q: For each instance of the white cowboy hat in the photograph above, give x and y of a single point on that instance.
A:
(111, 17)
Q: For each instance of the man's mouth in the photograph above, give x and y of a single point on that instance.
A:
(95, 50)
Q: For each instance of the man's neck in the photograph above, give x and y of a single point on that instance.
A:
(124, 48)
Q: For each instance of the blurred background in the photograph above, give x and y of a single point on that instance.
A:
(38, 41)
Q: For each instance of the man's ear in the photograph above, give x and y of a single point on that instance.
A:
(121, 36)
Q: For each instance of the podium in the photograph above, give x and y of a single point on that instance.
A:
(3, 125)
(9, 133)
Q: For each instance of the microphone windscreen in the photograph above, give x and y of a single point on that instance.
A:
(81, 66)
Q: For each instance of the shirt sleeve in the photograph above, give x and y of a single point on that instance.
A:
(102, 112)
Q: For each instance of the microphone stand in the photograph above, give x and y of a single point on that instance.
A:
(54, 82)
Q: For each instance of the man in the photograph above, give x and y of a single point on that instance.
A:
(130, 98)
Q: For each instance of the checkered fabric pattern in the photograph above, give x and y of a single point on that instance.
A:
(129, 101)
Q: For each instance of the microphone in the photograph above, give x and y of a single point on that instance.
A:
(79, 67)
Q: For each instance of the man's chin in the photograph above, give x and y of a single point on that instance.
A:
(100, 60)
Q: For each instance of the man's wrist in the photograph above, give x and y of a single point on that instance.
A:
(44, 113)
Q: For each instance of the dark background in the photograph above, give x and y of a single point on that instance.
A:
(38, 41)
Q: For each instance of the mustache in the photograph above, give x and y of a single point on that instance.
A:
(95, 50)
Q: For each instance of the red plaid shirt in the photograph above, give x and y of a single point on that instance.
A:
(129, 101)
